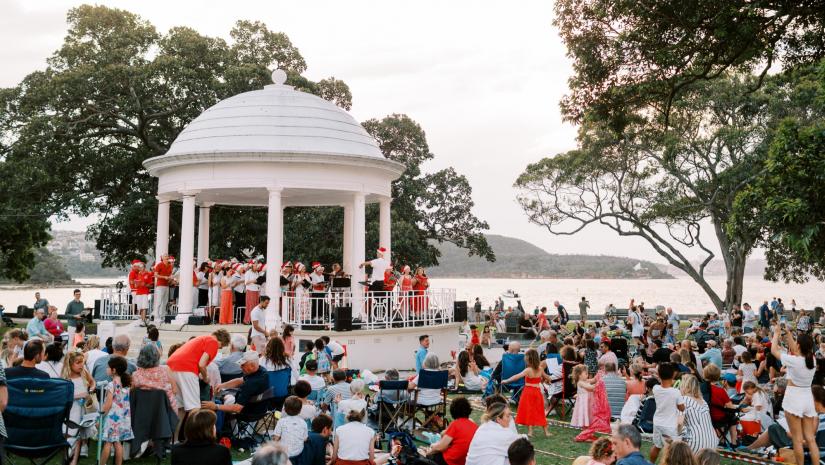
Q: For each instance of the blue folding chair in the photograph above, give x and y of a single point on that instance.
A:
(279, 382)
(430, 379)
(34, 418)
(512, 364)
(391, 403)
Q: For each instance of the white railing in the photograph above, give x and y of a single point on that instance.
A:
(373, 310)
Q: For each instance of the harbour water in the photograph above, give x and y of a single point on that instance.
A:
(683, 294)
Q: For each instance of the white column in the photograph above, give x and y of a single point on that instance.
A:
(203, 232)
(187, 254)
(348, 266)
(162, 244)
(274, 255)
(359, 232)
(385, 226)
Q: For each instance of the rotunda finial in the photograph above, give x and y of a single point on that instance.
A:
(278, 77)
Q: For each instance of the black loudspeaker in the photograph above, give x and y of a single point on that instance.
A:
(197, 320)
(343, 318)
(169, 318)
(25, 312)
(460, 310)
(96, 313)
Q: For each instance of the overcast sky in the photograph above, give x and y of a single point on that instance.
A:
(482, 78)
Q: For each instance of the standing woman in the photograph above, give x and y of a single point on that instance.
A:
(227, 313)
(253, 290)
(798, 402)
(203, 284)
(215, 275)
(406, 282)
(420, 283)
(300, 288)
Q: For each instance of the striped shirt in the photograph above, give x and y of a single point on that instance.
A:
(616, 388)
(698, 433)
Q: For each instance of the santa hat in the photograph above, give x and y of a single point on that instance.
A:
(171, 258)
(382, 249)
(250, 261)
(136, 262)
(299, 266)
(315, 265)
(405, 269)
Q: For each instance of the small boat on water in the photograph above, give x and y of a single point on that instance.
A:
(509, 294)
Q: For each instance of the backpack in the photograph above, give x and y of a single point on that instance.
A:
(409, 452)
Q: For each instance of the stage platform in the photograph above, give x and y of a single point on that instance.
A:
(372, 349)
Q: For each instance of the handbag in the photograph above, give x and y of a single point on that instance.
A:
(91, 405)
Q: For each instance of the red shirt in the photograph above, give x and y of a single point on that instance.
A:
(133, 277)
(718, 399)
(462, 432)
(144, 281)
(54, 327)
(163, 269)
(187, 357)
(389, 280)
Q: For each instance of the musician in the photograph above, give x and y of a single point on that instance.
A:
(300, 286)
(420, 284)
(390, 279)
(145, 279)
(319, 286)
(203, 284)
(253, 290)
(215, 275)
(286, 278)
(379, 264)
(134, 273)
(406, 289)
(163, 274)
(337, 272)
(239, 286)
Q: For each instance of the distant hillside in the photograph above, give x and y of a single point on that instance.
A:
(516, 258)
(754, 267)
(80, 256)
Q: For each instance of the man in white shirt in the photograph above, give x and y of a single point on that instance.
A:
(749, 318)
(260, 334)
(318, 283)
(673, 325)
(379, 265)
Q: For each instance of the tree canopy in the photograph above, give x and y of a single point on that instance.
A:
(638, 55)
(117, 92)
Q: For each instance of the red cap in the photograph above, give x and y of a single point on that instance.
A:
(382, 250)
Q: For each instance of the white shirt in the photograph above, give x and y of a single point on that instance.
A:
(749, 318)
(251, 276)
(93, 356)
(237, 283)
(352, 405)
(379, 266)
(354, 439)
(316, 382)
(202, 280)
(293, 432)
(490, 443)
(666, 401)
(54, 369)
(335, 348)
(638, 325)
(798, 373)
(428, 396)
(739, 349)
(258, 314)
(315, 278)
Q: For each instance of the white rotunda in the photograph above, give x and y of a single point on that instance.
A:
(276, 147)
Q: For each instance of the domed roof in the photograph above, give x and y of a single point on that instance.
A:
(276, 119)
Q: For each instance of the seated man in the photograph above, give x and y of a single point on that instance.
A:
(340, 387)
(228, 365)
(33, 353)
(36, 328)
(254, 382)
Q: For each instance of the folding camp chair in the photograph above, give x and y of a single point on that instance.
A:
(34, 418)
(430, 379)
(391, 403)
(253, 424)
(512, 364)
(566, 399)
(279, 382)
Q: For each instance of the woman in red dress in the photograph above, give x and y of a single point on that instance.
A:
(227, 313)
(531, 404)
(420, 283)
(406, 290)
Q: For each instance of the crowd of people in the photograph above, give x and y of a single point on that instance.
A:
(730, 381)
(223, 286)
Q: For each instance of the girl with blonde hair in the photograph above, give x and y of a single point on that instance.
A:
(698, 431)
(74, 370)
